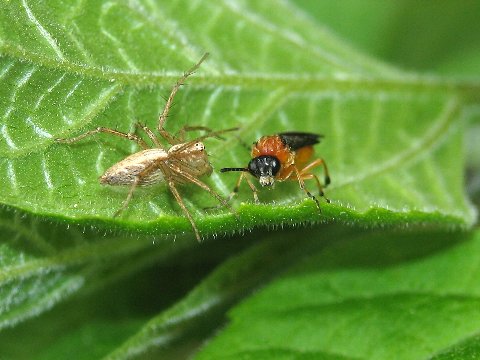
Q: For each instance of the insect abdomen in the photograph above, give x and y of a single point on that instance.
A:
(296, 140)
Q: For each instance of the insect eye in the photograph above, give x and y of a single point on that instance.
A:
(275, 164)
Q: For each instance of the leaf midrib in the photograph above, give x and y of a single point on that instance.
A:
(284, 84)
(253, 80)
(399, 296)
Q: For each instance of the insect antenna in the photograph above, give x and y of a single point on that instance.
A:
(234, 169)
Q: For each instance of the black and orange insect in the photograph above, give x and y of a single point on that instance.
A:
(177, 162)
(281, 157)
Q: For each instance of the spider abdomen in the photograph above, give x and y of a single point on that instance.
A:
(127, 170)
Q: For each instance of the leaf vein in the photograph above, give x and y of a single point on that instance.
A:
(46, 35)
(46, 174)
(37, 129)
(418, 148)
(7, 138)
(12, 177)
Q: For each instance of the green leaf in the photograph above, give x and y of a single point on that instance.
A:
(39, 268)
(364, 298)
(393, 141)
(119, 288)
(191, 318)
(231, 281)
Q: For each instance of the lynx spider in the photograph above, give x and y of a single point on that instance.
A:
(179, 163)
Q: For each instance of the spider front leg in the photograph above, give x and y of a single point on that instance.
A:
(182, 132)
(128, 136)
(205, 187)
(163, 116)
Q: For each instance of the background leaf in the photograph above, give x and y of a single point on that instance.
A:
(375, 308)
(40, 267)
(437, 36)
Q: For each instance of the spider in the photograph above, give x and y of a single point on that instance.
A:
(283, 157)
(178, 163)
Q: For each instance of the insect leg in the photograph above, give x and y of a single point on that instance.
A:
(302, 186)
(173, 189)
(239, 181)
(314, 164)
(319, 185)
(128, 136)
(168, 104)
(237, 187)
(253, 188)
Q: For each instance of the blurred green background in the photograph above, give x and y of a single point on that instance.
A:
(438, 36)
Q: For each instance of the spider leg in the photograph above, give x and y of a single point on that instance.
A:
(150, 135)
(204, 186)
(128, 136)
(230, 196)
(243, 143)
(173, 189)
(129, 197)
(163, 116)
(200, 138)
(135, 183)
(215, 134)
(181, 133)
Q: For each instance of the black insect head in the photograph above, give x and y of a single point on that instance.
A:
(264, 166)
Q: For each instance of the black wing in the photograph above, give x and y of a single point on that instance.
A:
(296, 140)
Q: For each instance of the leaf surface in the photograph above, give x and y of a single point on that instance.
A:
(384, 304)
(392, 141)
